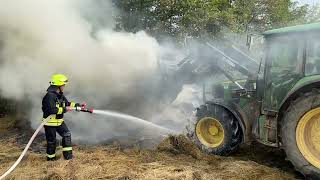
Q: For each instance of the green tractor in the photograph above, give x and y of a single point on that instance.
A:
(279, 106)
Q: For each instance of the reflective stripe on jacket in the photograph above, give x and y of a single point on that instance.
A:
(53, 121)
(54, 103)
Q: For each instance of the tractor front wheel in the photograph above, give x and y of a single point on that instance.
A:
(215, 130)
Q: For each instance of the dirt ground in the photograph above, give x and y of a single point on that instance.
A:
(174, 158)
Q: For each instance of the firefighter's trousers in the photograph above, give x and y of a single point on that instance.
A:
(64, 132)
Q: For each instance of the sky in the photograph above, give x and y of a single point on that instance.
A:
(311, 2)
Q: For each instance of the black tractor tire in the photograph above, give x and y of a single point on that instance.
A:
(232, 130)
(297, 108)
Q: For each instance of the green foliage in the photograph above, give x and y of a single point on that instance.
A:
(314, 14)
(262, 15)
(175, 18)
(206, 18)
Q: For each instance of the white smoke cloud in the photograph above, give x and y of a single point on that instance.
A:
(40, 38)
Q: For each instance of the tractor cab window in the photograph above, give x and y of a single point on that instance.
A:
(285, 54)
(313, 56)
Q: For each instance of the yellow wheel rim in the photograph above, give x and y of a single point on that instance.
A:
(308, 137)
(210, 132)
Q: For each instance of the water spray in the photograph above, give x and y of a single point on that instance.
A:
(132, 119)
(114, 114)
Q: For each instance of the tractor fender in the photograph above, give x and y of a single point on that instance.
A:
(299, 88)
(231, 108)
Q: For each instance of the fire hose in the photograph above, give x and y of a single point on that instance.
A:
(32, 139)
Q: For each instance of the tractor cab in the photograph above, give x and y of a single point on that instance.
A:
(289, 58)
(291, 63)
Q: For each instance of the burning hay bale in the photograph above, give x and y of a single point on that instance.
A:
(180, 145)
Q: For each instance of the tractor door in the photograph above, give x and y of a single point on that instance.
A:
(284, 67)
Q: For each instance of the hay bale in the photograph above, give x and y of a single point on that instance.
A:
(53, 176)
(196, 175)
(124, 178)
(180, 145)
(147, 156)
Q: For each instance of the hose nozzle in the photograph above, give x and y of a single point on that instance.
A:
(87, 110)
(84, 109)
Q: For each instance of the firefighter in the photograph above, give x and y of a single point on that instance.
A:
(56, 104)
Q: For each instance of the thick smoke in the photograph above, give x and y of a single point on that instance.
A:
(112, 70)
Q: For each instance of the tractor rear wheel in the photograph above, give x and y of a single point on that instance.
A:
(300, 134)
(215, 130)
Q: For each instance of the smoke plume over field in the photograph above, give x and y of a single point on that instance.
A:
(109, 70)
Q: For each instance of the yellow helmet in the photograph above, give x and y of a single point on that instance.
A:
(59, 80)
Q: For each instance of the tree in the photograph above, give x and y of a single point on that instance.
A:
(206, 18)
(261, 15)
(134, 15)
(175, 18)
(314, 14)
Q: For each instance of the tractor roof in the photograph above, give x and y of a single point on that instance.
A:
(291, 29)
